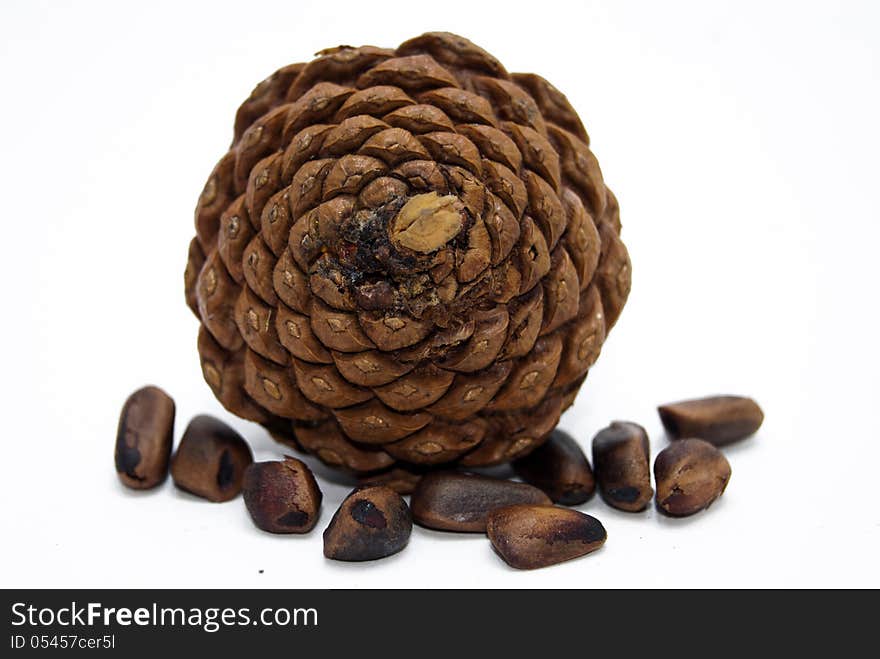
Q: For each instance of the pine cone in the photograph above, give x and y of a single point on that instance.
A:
(407, 257)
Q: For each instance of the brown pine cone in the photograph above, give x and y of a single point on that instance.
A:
(406, 256)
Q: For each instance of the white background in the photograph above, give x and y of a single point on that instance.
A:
(741, 139)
